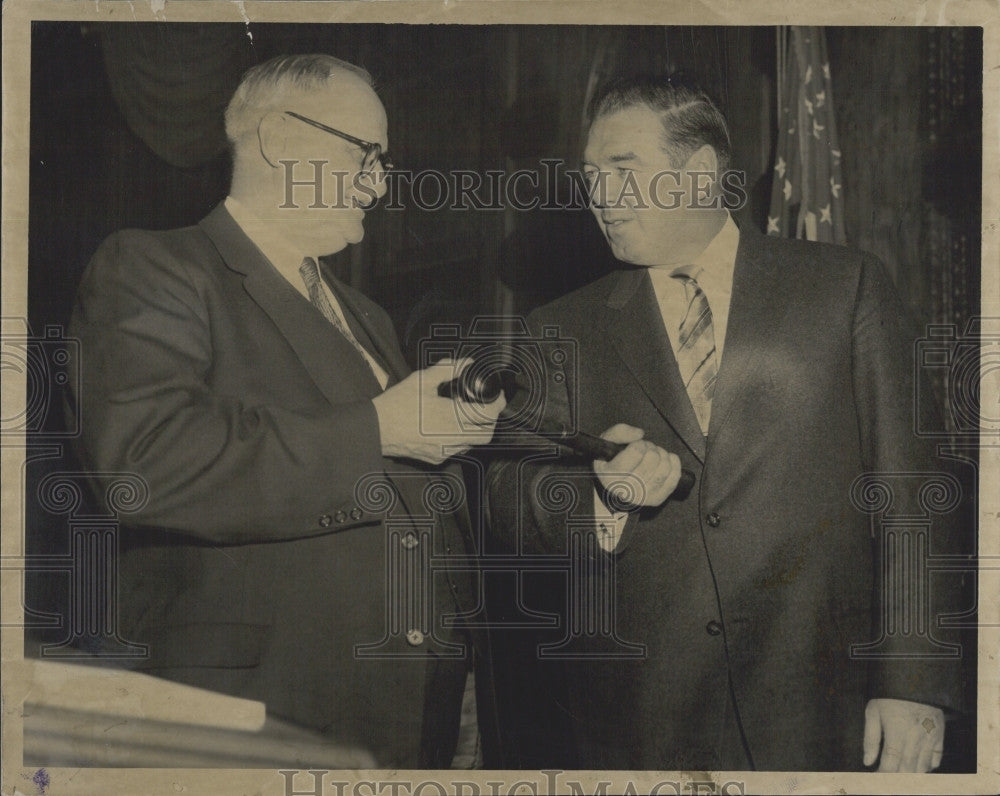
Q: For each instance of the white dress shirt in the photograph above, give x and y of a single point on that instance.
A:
(713, 271)
(286, 259)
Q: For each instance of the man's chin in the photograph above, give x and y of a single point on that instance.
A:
(347, 235)
(624, 253)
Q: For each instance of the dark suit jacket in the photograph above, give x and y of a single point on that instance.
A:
(758, 583)
(258, 564)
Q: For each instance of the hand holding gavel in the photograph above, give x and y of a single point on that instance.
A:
(474, 385)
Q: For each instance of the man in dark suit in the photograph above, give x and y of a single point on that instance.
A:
(777, 372)
(291, 460)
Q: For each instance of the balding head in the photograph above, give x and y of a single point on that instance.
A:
(274, 84)
(299, 126)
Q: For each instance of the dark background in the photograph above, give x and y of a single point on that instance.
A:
(126, 132)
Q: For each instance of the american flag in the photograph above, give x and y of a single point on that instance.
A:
(807, 196)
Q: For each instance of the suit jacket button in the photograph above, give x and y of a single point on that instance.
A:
(713, 628)
(340, 517)
(414, 638)
(409, 540)
(713, 519)
(355, 514)
(325, 521)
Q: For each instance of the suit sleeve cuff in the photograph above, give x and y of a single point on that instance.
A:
(609, 524)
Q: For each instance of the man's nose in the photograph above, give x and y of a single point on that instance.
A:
(599, 193)
(610, 190)
(378, 179)
(370, 187)
(610, 193)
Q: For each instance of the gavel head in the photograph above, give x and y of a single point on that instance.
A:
(479, 383)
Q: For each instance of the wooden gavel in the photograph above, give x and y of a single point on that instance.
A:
(473, 385)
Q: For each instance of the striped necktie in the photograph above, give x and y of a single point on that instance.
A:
(309, 271)
(696, 355)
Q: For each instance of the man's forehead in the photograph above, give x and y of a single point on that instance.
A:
(628, 131)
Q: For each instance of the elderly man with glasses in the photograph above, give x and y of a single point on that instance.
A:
(282, 554)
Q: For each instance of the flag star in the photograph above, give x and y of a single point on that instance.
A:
(809, 74)
(809, 106)
(779, 167)
(788, 190)
(826, 71)
(824, 215)
(820, 98)
(834, 188)
(772, 225)
(817, 128)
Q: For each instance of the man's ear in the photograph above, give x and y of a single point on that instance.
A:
(704, 159)
(702, 172)
(272, 137)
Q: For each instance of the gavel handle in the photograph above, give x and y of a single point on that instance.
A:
(599, 448)
(476, 387)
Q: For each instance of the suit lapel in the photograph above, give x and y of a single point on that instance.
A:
(326, 355)
(635, 325)
(755, 313)
(329, 358)
(360, 321)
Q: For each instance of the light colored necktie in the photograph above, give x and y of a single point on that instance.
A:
(309, 271)
(696, 354)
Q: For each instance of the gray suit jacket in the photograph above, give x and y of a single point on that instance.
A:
(750, 593)
(269, 558)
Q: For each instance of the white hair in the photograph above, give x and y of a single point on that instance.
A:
(267, 86)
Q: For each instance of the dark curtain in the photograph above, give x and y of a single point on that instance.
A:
(172, 84)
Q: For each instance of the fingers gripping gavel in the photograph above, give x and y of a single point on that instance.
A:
(473, 385)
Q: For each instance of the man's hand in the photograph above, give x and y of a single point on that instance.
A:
(416, 423)
(644, 469)
(912, 735)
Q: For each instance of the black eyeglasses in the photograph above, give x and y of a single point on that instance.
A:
(373, 152)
